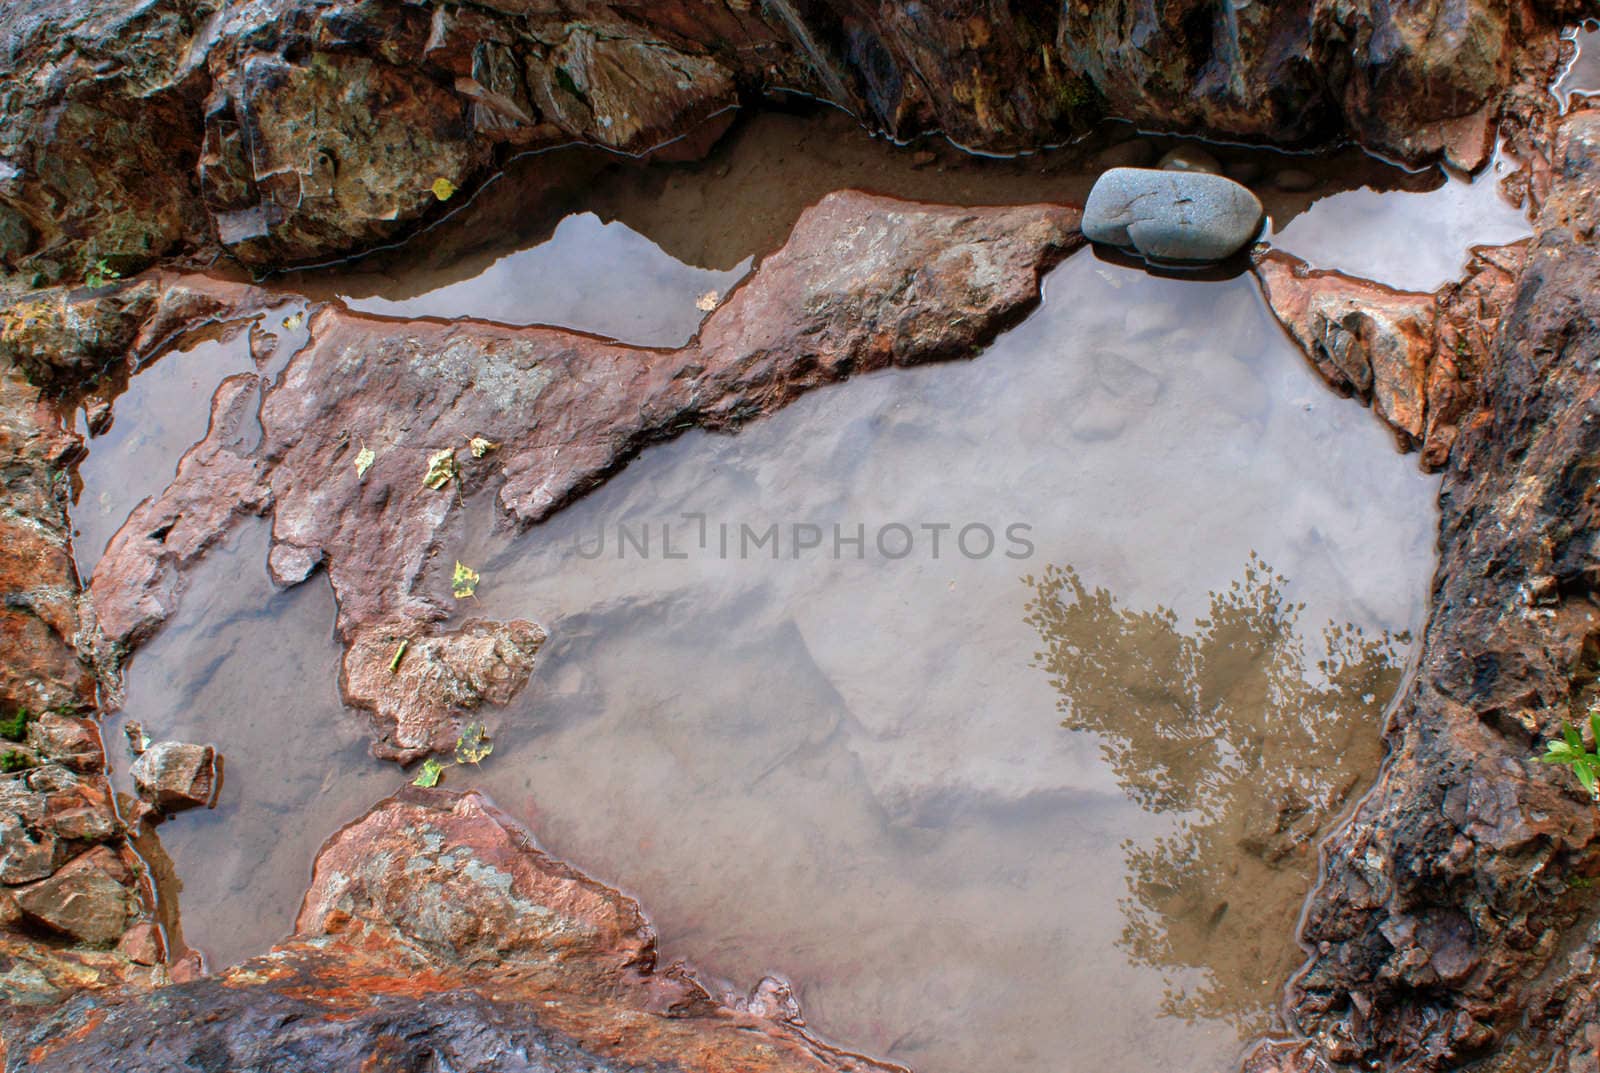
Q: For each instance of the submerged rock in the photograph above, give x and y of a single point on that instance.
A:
(1169, 214)
(1190, 158)
(436, 934)
(174, 775)
(407, 678)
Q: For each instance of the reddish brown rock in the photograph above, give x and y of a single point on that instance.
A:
(62, 875)
(175, 775)
(418, 694)
(862, 284)
(38, 582)
(1414, 357)
(1456, 905)
(87, 899)
(290, 131)
(436, 934)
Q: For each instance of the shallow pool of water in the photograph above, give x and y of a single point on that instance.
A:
(590, 276)
(1416, 241)
(981, 818)
(163, 410)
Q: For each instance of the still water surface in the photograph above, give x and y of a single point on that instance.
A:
(1047, 812)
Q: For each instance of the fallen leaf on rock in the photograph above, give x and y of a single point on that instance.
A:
(399, 654)
(364, 459)
(443, 188)
(464, 582)
(441, 468)
(481, 446)
(428, 776)
(706, 302)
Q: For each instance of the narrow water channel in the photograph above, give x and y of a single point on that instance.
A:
(1043, 803)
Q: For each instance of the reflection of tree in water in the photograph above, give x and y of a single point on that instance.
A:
(1233, 726)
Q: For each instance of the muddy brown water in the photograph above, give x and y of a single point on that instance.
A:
(984, 809)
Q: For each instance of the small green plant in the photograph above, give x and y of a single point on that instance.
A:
(472, 747)
(1569, 750)
(15, 727)
(13, 760)
(100, 273)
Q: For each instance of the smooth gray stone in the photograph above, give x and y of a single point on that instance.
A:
(1187, 216)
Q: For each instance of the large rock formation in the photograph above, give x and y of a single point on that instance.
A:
(69, 881)
(1459, 897)
(290, 131)
(436, 935)
(862, 284)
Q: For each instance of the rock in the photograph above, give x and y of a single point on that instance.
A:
(863, 283)
(87, 899)
(1190, 158)
(1133, 153)
(1414, 357)
(296, 130)
(175, 775)
(1171, 215)
(436, 934)
(143, 944)
(1431, 928)
(1242, 171)
(417, 703)
(1294, 180)
(38, 581)
(70, 740)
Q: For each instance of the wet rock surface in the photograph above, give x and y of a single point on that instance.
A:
(1171, 214)
(1416, 358)
(436, 933)
(175, 775)
(1457, 897)
(285, 131)
(863, 283)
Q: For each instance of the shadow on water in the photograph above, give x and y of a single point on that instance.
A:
(1255, 739)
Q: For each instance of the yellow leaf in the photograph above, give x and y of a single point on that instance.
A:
(707, 302)
(481, 446)
(428, 774)
(441, 468)
(364, 459)
(464, 582)
(443, 188)
(473, 745)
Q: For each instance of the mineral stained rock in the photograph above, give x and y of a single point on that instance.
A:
(290, 130)
(1458, 897)
(1416, 358)
(1171, 214)
(863, 283)
(436, 935)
